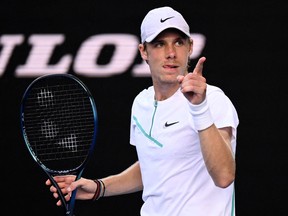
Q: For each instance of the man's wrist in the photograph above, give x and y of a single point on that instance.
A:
(201, 115)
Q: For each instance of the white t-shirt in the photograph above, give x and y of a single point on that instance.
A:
(175, 179)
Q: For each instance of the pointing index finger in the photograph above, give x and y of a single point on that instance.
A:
(199, 66)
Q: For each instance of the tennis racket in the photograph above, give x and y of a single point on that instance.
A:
(59, 126)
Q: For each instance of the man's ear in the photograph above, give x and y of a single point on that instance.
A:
(191, 47)
(143, 52)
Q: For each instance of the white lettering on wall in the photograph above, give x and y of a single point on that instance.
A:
(85, 59)
(8, 43)
(126, 48)
(40, 54)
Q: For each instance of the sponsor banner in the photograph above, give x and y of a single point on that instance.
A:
(86, 61)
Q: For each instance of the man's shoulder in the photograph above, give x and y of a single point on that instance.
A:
(213, 89)
(146, 92)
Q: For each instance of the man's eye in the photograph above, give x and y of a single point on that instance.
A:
(158, 44)
(179, 43)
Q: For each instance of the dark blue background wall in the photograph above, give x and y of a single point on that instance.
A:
(246, 50)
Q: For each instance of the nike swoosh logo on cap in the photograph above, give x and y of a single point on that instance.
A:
(163, 20)
(169, 124)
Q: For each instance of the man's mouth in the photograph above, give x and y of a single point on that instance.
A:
(170, 66)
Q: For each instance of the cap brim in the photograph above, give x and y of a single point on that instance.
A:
(152, 37)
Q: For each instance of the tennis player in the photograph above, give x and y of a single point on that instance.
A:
(183, 128)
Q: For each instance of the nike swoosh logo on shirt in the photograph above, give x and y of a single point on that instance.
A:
(169, 124)
(163, 20)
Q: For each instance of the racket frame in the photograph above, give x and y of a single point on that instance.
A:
(69, 206)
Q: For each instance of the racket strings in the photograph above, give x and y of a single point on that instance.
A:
(59, 122)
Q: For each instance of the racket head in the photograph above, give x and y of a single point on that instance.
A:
(59, 123)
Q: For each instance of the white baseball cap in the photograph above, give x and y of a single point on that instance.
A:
(160, 19)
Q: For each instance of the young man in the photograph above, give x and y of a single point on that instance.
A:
(184, 131)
